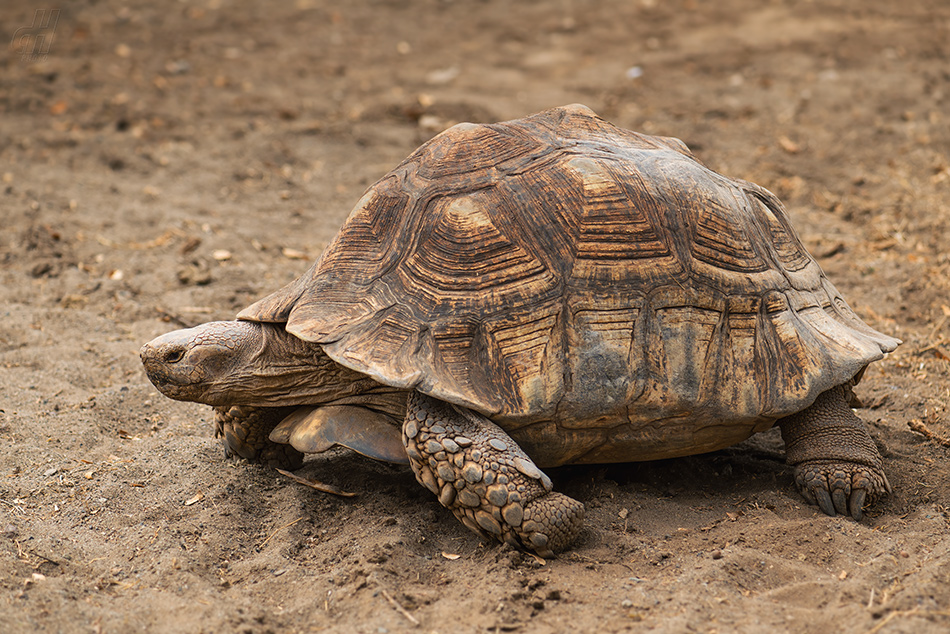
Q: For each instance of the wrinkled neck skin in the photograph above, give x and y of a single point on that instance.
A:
(247, 363)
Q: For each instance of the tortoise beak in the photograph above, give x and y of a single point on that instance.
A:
(162, 358)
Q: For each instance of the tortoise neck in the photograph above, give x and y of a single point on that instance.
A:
(285, 370)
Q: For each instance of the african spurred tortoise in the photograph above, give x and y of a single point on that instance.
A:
(538, 292)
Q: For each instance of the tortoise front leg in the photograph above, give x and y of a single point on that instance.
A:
(244, 432)
(486, 479)
(837, 464)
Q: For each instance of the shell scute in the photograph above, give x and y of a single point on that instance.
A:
(466, 252)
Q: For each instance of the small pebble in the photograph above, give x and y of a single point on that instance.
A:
(717, 554)
(296, 254)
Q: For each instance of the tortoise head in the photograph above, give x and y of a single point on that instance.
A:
(242, 363)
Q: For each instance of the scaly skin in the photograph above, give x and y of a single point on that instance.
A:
(837, 464)
(486, 479)
(244, 432)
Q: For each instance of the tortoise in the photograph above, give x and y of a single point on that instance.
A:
(539, 292)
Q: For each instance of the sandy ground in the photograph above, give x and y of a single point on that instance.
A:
(166, 163)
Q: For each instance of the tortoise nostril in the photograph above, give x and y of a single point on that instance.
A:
(174, 356)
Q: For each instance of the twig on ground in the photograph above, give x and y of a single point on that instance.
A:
(319, 486)
(923, 430)
(261, 547)
(890, 616)
(398, 607)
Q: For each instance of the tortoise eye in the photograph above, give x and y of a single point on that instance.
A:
(174, 356)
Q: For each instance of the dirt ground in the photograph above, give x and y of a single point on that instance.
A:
(167, 163)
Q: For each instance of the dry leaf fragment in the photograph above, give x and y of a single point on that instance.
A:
(195, 499)
(293, 254)
(788, 145)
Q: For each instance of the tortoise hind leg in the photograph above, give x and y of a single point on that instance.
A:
(837, 464)
(244, 432)
(486, 479)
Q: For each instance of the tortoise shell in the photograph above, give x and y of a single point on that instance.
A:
(599, 293)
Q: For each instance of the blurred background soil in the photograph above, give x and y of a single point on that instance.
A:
(167, 163)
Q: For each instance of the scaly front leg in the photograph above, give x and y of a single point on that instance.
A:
(486, 479)
(244, 432)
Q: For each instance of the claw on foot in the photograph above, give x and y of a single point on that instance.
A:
(841, 489)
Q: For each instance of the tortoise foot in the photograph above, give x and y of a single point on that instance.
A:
(841, 488)
(244, 433)
(486, 480)
(837, 464)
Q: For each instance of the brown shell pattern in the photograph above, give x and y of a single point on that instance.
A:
(589, 288)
